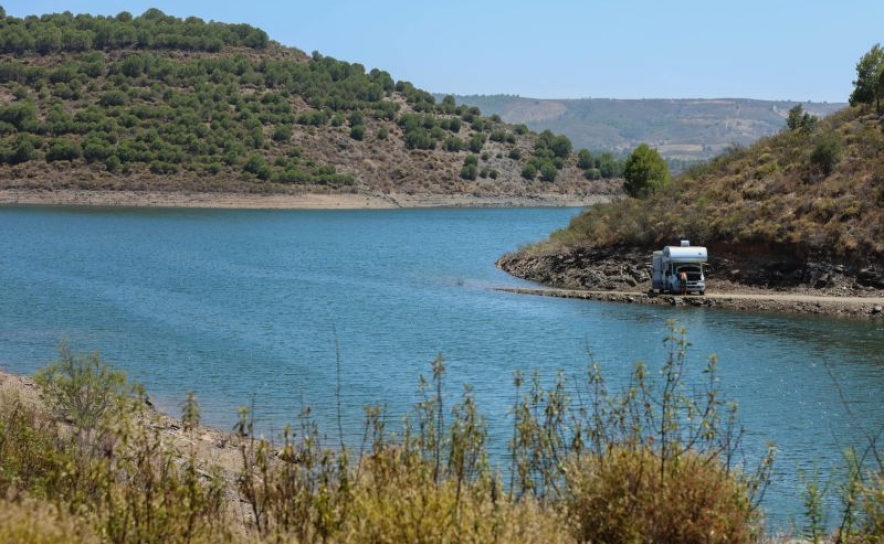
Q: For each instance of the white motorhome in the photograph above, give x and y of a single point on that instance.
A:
(679, 269)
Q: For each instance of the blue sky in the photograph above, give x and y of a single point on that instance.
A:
(774, 50)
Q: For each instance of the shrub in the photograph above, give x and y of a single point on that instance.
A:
(113, 98)
(81, 387)
(397, 499)
(282, 133)
(419, 138)
(585, 160)
(827, 153)
(470, 170)
(162, 168)
(529, 172)
(453, 143)
(357, 132)
(548, 171)
(654, 463)
(258, 166)
(622, 496)
(872, 503)
(592, 174)
(477, 141)
(113, 163)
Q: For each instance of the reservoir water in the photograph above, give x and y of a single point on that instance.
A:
(266, 307)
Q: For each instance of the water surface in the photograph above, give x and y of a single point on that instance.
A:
(271, 307)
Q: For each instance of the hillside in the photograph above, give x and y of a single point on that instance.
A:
(685, 129)
(157, 103)
(802, 209)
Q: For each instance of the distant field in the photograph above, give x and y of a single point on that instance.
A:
(687, 129)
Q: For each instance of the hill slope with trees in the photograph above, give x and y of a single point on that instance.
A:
(154, 102)
(803, 208)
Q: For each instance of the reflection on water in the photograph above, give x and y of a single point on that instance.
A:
(246, 306)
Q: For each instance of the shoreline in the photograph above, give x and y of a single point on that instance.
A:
(282, 201)
(758, 301)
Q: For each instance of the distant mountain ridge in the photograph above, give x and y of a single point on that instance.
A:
(687, 129)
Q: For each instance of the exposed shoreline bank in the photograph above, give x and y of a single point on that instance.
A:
(774, 301)
(294, 201)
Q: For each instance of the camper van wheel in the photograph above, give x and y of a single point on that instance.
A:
(702, 293)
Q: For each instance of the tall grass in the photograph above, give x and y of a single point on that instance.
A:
(656, 461)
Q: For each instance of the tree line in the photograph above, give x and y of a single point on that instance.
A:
(68, 33)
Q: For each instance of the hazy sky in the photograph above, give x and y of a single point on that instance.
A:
(776, 50)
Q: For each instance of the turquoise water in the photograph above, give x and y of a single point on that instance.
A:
(259, 306)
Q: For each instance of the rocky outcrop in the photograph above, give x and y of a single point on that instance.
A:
(629, 269)
(611, 269)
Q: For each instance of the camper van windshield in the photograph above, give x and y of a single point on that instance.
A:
(694, 273)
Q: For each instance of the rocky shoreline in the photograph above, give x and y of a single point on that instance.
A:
(768, 285)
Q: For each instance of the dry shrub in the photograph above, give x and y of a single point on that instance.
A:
(397, 500)
(627, 495)
(35, 522)
(871, 500)
(29, 458)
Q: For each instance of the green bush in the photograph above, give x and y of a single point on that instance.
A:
(469, 172)
(454, 144)
(357, 132)
(282, 133)
(529, 172)
(592, 174)
(82, 388)
(477, 141)
(114, 98)
(827, 153)
(548, 171)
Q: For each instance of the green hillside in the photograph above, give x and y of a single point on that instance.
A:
(684, 129)
(162, 103)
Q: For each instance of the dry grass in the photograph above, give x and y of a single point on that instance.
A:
(653, 463)
(771, 193)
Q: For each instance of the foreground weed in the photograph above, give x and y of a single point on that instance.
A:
(81, 387)
(38, 522)
(657, 462)
(302, 490)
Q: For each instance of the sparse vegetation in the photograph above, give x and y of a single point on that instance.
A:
(812, 192)
(655, 462)
(154, 101)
